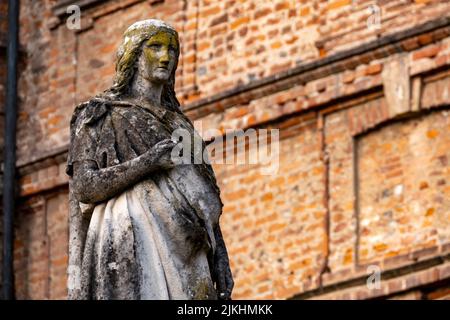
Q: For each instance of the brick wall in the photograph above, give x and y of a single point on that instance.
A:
(40, 247)
(363, 169)
(274, 223)
(60, 60)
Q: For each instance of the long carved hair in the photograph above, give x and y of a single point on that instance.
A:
(128, 54)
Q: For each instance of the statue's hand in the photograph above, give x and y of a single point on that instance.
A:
(161, 153)
(222, 275)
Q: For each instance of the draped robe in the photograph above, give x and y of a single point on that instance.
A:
(154, 240)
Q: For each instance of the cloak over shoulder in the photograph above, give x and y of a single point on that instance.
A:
(112, 132)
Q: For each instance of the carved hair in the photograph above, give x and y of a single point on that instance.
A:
(127, 57)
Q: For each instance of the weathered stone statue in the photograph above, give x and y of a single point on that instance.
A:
(141, 225)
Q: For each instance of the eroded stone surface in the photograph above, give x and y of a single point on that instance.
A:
(142, 226)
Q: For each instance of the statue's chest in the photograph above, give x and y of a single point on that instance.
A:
(150, 128)
(128, 132)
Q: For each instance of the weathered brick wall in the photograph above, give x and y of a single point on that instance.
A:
(274, 223)
(363, 170)
(61, 61)
(240, 41)
(3, 19)
(40, 247)
(46, 86)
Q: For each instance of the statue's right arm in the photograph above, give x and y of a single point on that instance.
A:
(93, 185)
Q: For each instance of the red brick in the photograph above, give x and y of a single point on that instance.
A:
(373, 69)
(335, 4)
(427, 52)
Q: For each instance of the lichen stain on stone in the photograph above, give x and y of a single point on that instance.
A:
(202, 291)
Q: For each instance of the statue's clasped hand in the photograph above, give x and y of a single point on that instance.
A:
(163, 150)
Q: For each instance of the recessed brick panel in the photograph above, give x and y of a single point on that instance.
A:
(404, 192)
(41, 247)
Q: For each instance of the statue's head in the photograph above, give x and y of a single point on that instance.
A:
(150, 47)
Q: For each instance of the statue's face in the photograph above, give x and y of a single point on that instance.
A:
(159, 54)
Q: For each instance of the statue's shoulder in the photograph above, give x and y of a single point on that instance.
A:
(94, 109)
(87, 112)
